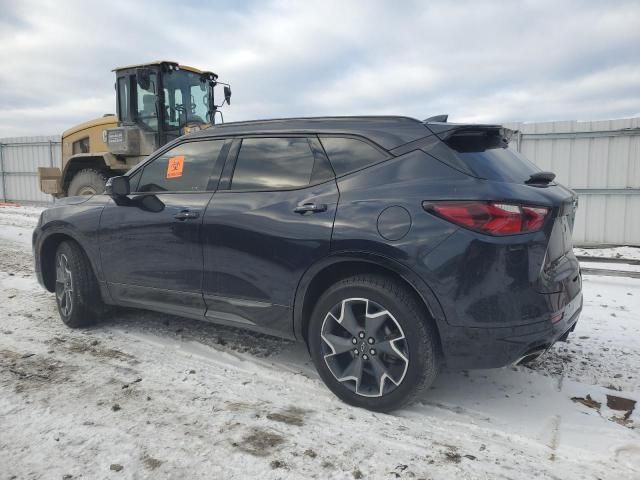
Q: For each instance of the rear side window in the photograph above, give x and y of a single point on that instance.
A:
(349, 154)
(185, 168)
(273, 164)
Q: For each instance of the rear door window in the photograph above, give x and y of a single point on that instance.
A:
(273, 164)
(349, 154)
(185, 168)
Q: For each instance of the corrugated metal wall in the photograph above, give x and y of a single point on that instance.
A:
(20, 158)
(601, 161)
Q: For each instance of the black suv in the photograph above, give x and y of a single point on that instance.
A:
(389, 245)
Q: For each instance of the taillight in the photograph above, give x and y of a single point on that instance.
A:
(493, 218)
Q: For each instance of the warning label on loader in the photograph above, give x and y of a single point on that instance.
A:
(174, 167)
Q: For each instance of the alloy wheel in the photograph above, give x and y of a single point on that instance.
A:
(64, 285)
(364, 347)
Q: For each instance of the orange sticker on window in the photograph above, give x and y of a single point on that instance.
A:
(174, 167)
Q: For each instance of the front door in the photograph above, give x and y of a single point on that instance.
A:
(150, 241)
(265, 226)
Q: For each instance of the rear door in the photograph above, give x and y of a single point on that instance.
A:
(269, 221)
(150, 241)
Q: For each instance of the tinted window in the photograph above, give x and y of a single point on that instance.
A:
(272, 164)
(186, 167)
(485, 155)
(501, 164)
(349, 154)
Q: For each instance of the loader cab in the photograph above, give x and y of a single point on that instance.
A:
(159, 102)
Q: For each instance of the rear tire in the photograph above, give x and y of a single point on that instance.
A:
(385, 340)
(77, 293)
(87, 182)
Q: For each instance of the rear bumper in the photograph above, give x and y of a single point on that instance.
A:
(477, 347)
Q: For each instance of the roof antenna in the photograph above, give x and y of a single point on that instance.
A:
(437, 118)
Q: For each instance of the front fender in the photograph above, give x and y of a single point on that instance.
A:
(79, 222)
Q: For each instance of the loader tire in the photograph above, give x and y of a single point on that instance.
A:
(88, 181)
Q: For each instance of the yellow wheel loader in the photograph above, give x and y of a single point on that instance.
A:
(156, 103)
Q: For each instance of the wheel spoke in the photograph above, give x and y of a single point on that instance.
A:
(68, 302)
(388, 347)
(353, 371)
(337, 343)
(380, 372)
(373, 323)
(59, 271)
(348, 319)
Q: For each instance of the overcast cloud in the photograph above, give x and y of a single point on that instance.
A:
(478, 61)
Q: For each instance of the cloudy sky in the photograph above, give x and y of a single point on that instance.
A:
(476, 60)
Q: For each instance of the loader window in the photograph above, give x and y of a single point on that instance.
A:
(80, 146)
(147, 113)
(185, 168)
(186, 99)
(123, 99)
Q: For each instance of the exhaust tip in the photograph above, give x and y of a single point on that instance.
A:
(530, 356)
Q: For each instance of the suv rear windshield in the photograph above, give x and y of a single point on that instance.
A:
(486, 155)
(503, 164)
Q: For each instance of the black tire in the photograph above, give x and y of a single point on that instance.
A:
(417, 337)
(87, 182)
(82, 305)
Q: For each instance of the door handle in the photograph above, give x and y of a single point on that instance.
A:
(186, 215)
(311, 207)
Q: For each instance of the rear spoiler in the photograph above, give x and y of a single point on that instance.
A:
(456, 133)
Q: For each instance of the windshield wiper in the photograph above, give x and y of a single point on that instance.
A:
(541, 178)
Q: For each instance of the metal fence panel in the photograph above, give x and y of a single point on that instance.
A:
(20, 158)
(601, 161)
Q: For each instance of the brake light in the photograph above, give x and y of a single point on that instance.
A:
(493, 218)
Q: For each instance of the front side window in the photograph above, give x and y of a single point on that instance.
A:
(273, 164)
(185, 168)
(349, 154)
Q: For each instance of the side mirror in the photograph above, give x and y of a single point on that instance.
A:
(117, 187)
(227, 94)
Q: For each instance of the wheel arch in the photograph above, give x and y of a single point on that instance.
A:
(102, 161)
(336, 267)
(48, 249)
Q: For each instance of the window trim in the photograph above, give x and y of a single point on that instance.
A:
(387, 155)
(212, 184)
(226, 178)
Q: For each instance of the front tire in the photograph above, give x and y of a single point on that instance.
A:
(371, 343)
(77, 292)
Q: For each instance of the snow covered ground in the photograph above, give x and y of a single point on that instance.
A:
(144, 395)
